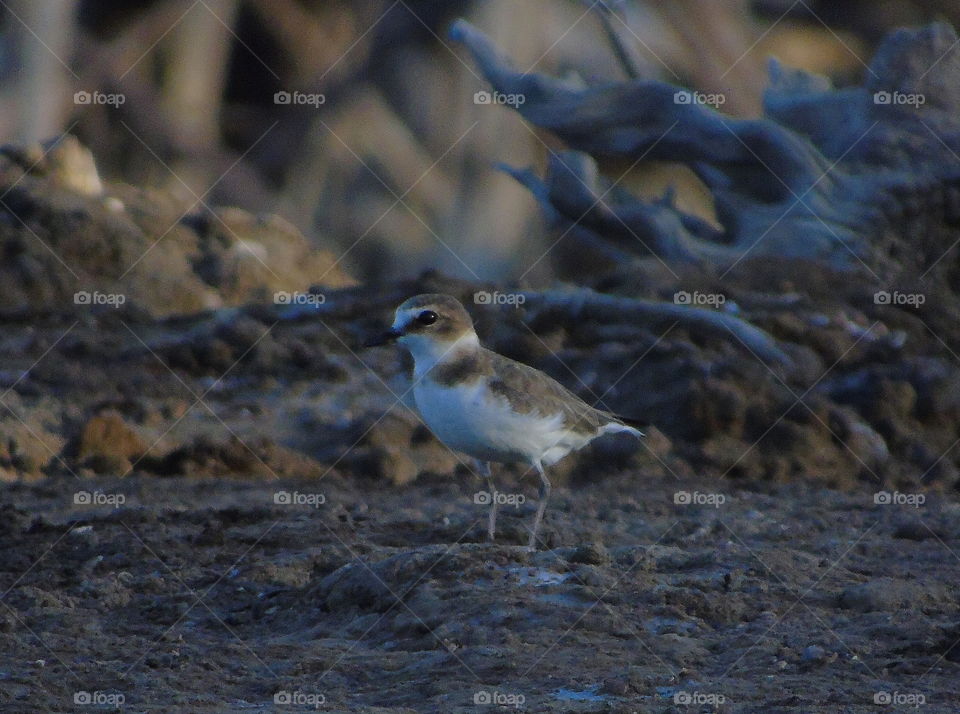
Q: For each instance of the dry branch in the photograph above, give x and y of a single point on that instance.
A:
(821, 178)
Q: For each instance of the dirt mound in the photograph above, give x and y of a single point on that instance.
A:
(69, 241)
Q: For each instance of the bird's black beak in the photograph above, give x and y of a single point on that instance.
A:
(387, 337)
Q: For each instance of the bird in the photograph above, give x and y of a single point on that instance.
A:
(486, 405)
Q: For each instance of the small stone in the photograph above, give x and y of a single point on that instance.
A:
(615, 686)
(882, 594)
(107, 444)
(590, 554)
(916, 529)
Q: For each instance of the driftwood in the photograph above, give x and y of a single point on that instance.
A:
(865, 178)
(597, 307)
(357, 304)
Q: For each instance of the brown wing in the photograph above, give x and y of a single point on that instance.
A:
(518, 382)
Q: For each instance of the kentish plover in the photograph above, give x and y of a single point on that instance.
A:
(489, 406)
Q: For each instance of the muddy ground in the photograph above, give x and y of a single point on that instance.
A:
(207, 595)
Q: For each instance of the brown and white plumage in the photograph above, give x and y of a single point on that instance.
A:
(487, 405)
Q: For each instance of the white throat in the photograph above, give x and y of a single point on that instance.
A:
(427, 352)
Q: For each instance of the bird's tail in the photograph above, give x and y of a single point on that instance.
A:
(619, 427)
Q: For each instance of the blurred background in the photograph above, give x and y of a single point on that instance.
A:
(381, 154)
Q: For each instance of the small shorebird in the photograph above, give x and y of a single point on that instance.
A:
(489, 406)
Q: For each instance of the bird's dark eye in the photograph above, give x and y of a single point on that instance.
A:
(427, 317)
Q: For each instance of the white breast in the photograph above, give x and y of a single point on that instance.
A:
(469, 418)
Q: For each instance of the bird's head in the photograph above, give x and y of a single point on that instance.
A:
(431, 326)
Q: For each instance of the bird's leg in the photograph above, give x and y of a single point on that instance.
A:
(544, 496)
(484, 467)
